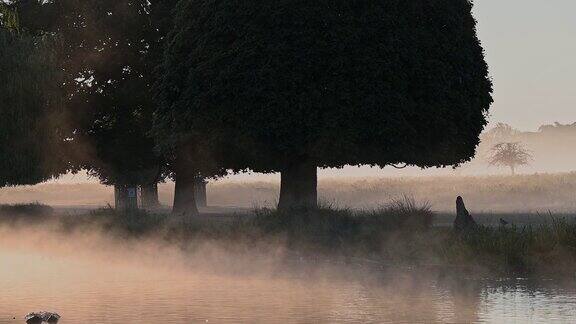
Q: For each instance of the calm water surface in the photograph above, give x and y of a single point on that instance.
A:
(84, 290)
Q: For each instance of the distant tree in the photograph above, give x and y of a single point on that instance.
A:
(30, 137)
(510, 155)
(500, 132)
(558, 128)
(289, 86)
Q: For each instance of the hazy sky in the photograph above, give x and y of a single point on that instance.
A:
(531, 49)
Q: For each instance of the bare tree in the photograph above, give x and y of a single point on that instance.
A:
(509, 155)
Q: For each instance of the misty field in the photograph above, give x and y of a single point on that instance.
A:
(536, 193)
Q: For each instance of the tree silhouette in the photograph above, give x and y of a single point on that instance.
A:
(29, 132)
(509, 155)
(107, 51)
(289, 86)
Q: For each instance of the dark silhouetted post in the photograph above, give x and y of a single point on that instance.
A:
(464, 220)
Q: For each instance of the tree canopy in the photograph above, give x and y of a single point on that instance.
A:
(325, 83)
(108, 51)
(30, 136)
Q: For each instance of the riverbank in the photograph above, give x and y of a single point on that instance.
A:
(399, 235)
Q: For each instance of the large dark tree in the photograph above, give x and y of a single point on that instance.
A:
(298, 85)
(108, 51)
(30, 137)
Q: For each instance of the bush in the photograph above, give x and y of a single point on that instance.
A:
(33, 210)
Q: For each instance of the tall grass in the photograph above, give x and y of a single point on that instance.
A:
(547, 248)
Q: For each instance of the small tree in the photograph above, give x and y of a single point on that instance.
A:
(509, 155)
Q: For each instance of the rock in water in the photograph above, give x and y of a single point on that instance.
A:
(41, 318)
(464, 220)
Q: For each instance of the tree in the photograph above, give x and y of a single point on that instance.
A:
(509, 155)
(557, 128)
(108, 51)
(500, 132)
(288, 86)
(29, 110)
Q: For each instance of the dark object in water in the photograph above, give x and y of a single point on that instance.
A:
(41, 318)
(503, 222)
(464, 220)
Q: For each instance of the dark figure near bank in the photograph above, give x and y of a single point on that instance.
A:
(464, 220)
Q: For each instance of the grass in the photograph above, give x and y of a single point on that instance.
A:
(548, 248)
(399, 234)
(487, 194)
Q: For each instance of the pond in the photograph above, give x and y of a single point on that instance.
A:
(100, 287)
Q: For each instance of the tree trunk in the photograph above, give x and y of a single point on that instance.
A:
(513, 170)
(298, 186)
(149, 194)
(184, 199)
(126, 198)
(200, 193)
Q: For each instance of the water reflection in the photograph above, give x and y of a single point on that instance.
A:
(85, 290)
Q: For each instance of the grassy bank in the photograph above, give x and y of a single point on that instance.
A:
(486, 194)
(397, 235)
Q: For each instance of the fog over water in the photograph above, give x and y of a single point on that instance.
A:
(91, 279)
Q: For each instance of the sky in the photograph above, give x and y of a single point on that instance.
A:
(530, 47)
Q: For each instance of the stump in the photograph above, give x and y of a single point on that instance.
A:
(464, 220)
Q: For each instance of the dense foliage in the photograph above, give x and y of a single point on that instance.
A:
(30, 136)
(295, 85)
(107, 51)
